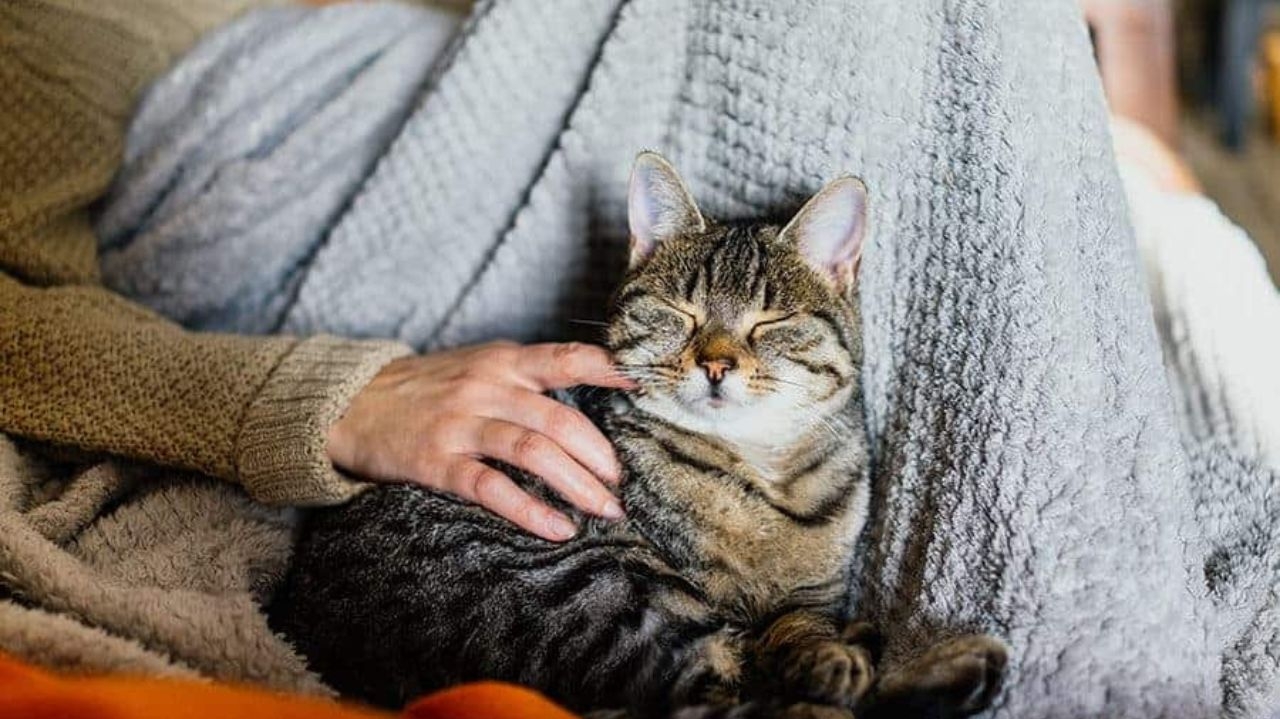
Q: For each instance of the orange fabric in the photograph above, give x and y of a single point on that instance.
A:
(30, 693)
(486, 700)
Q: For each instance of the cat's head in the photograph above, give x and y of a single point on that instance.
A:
(749, 332)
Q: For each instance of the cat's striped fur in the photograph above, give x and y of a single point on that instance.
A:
(745, 490)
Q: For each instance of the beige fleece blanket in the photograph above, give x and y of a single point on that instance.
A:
(167, 583)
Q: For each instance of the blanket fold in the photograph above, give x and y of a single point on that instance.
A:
(182, 601)
(1029, 474)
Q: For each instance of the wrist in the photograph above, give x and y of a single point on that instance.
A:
(283, 451)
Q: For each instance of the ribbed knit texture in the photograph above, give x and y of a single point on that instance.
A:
(281, 451)
(1029, 475)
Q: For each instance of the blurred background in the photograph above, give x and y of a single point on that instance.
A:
(1204, 75)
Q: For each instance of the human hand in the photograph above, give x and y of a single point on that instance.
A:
(429, 419)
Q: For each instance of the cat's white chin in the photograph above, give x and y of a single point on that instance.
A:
(745, 423)
(757, 425)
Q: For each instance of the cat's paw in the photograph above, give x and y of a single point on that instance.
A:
(865, 635)
(960, 677)
(829, 672)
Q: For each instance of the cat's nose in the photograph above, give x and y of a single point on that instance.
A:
(718, 367)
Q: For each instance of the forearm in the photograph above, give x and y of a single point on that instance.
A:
(87, 369)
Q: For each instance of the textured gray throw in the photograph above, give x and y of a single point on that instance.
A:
(338, 171)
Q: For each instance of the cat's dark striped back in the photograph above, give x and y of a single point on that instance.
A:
(745, 490)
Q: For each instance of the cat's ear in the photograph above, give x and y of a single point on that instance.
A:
(659, 205)
(829, 229)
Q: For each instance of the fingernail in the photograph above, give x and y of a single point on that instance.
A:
(611, 510)
(606, 468)
(560, 527)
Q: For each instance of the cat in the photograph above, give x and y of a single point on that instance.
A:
(745, 490)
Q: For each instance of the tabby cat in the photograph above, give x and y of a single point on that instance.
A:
(744, 491)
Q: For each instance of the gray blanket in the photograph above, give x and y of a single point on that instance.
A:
(337, 171)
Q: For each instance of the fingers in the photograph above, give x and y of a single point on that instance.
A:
(477, 482)
(559, 365)
(564, 425)
(539, 455)
(428, 418)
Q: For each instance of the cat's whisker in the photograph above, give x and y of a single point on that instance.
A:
(646, 373)
(625, 369)
(655, 381)
(780, 380)
(824, 422)
(646, 365)
(593, 323)
(654, 370)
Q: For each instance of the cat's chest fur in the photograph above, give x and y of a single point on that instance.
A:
(754, 533)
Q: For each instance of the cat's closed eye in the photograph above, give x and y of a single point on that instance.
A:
(757, 324)
(651, 324)
(661, 318)
(798, 335)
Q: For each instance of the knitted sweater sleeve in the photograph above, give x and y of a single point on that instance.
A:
(85, 368)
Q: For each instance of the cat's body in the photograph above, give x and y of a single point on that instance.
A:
(745, 491)
(618, 616)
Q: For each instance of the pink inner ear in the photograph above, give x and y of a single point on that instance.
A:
(830, 227)
(640, 211)
(658, 205)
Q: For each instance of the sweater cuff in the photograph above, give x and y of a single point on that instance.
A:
(280, 455)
